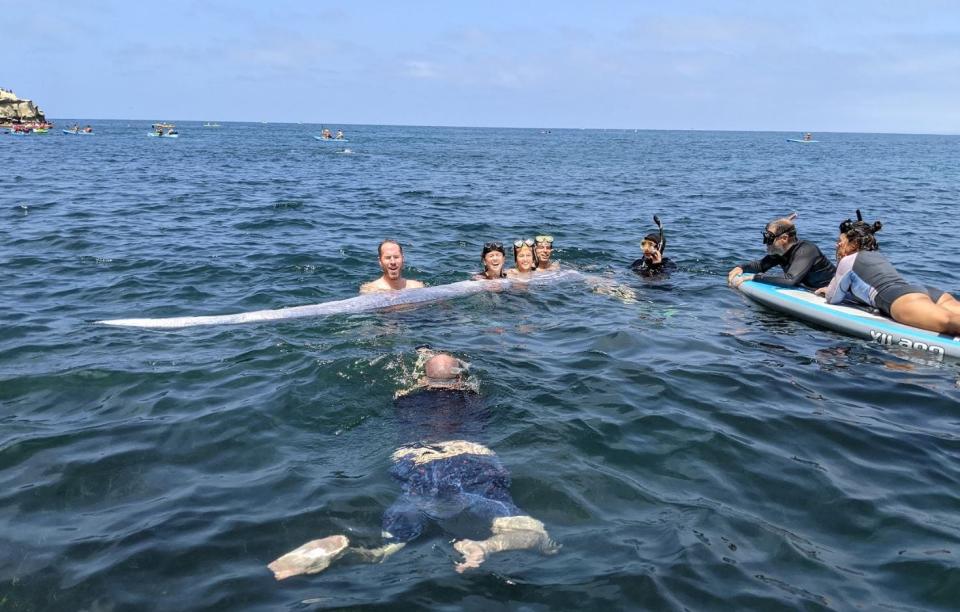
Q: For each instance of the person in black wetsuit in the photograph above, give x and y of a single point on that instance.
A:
(457, 483)
(801, 261)
(653, 263)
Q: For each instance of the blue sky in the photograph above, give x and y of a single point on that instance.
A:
(853, 65)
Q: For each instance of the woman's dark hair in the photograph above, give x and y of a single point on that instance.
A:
(533, 251)
(490, 247)
(861, 234)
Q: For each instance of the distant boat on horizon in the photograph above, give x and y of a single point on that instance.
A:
(211, 125)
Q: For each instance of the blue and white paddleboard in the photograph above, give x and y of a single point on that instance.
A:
(849, 319)
(800, 140)
(155, 135)
(322, 139)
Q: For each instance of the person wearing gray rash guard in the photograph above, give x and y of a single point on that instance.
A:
(865, 276)
(802, 262)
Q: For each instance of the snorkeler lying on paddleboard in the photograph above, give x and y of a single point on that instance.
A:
(801, 261)
(865, 276)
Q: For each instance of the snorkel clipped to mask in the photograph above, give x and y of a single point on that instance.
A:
(861, 233)
(658, 239)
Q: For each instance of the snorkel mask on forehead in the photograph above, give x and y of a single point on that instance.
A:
(547, 240)
(522, 242)
(769, 237)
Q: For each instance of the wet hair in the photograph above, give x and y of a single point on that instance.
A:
(490, 248)
(388, 241)
(654, 238)
(533, 252)
(861, 235)
(783, 226)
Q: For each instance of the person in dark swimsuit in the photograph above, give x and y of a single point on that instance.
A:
(802, 262)
(492, 257)
(653, 263)
(865, 276)
(457, 483)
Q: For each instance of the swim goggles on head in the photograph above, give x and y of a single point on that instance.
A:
(490, 247)
(519, 243)
(769, 237)
(547, 239)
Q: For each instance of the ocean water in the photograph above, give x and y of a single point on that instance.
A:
(689, 449)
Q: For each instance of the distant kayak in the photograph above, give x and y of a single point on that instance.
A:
(77, 132)
(155, 135)
(322, 139)
(800, 140)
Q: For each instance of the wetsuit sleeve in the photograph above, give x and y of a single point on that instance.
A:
(762, 265)
(804, 256)
(839, 288)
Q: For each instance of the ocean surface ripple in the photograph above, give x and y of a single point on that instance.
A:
(689, 449)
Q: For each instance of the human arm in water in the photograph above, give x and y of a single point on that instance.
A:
(509, 533)
(317, 555)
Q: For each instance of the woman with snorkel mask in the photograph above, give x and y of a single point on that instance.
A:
(492, 257)
(653, 263)
(865, 276)
(524, 258)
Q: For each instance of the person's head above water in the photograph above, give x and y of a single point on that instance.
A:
(492, 258)
(524, 256)
(391, 259)
(543, 249)
(780, 235)
(857, 236)
(650, 243)
(443, 367)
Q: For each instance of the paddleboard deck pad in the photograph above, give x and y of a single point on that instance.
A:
(849, 319)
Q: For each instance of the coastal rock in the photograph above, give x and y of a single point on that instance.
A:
(18, 110)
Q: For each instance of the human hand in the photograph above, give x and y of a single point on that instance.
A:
(733, 274)
(655, 257)
(822, 292)
(739, 280)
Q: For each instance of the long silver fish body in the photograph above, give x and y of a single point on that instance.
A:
(361, 303)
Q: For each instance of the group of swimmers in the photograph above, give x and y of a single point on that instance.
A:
(530, 256)
(326, 134)
(862, 275)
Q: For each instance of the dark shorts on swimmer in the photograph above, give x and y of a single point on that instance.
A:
(470, 488)
(892, 293)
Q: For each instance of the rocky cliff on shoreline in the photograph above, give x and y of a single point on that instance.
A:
(17, 110)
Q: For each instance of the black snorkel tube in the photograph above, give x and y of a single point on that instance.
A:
(663, 241)
(846, 225)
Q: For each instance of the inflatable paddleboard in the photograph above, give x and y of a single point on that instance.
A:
(849, 319)
(322, 139)
(155, 135)
(361, 303)
(81, 133)
(800, 140)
